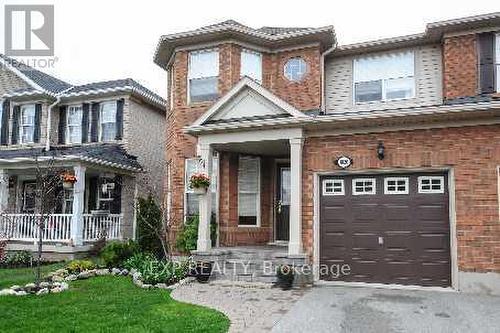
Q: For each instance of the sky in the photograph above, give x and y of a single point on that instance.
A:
(112, 39)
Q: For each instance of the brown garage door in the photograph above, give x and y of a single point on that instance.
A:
(387, 228)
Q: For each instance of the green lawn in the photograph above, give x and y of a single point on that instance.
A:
(21, 276)
(106, 304)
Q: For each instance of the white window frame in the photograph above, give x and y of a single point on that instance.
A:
(101, 118)
(189, 74)
(431, 178)
(396, 179)
(1, 113)
(333, 182)
(304, 74)
(68, 125)
(258, 193)
(374, 186)
(384, 97)
(255, 53)
(67, 202)
(213, 185)
(497, 61)
(23, 108)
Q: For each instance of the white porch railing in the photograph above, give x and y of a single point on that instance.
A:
(96, 226)
(23, 227)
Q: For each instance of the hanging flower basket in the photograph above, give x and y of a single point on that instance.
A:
(199, 183)
(68, 180)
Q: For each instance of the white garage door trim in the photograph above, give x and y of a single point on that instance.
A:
(452, 218)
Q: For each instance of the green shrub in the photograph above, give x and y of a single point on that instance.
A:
(115, 253)
(149, 226)
(188, 236)
(19, 258)
(77, 266)
(154, 270)
(137, 261)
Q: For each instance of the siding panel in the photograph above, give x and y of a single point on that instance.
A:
(428, 71)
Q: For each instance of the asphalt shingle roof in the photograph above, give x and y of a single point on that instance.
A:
(46, 81)
(55, 86)
(116, 84)
(106, 153)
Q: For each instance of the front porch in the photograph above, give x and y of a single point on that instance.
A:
(259, 195)
(81, 214)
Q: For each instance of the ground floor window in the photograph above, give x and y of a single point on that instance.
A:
(192, 166)
(67, 201)
(249, 191)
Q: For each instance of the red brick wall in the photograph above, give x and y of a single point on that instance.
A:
(304, 95)
(460, 67)
(229, 232)
(474, 154)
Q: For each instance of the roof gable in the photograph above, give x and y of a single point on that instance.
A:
(36, 79)
(248, 100)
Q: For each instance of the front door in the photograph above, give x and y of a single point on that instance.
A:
(283, 203)
(29, 197)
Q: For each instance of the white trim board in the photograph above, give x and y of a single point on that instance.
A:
(250, 136)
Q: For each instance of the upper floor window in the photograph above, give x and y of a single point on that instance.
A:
(1, 114)
(295, 69)
(203, 74)
(497, 61)
(107, 120)
(27, 125)
(74, 124)
(383, 78)
(251, 65)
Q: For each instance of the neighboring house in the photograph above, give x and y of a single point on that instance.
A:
(383, 155)
(108, 134)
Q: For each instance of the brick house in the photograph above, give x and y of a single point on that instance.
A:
(382, 155)
(95, 132)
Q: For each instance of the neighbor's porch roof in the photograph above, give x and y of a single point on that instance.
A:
(109, 155)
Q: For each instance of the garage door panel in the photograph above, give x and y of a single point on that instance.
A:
(414, 247)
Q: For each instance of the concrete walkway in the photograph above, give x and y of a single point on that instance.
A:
(251, 307)
(350, 309)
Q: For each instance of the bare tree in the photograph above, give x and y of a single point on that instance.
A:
(47, 194)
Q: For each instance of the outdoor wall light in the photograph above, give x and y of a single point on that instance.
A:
(380, 150)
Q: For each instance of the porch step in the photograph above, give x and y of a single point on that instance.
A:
(250, 264)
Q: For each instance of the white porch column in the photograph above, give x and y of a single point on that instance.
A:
(295, 243)
(78, 206)
(204, 243)
(4, 191)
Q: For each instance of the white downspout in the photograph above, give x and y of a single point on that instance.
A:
(322, 72)
(49, 123)
(49, 118)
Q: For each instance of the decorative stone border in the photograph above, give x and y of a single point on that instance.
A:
(58, 281)
(31, 289)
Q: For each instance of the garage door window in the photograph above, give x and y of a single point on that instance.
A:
(362, 186)
(333, 187)
(395, 185)
(431, 184)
